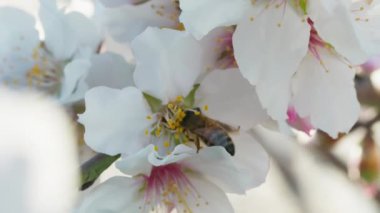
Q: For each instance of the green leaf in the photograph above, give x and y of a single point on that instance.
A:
(303, 5)
(190, 98)
(93, 168)
(154, 103)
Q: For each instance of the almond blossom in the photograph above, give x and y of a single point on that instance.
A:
(164, 78)
(126, 121)
(299, 53)
(183, 180)
(55, 64)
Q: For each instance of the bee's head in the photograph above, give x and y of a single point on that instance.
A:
(191, 119)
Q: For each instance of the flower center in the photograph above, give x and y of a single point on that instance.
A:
(37, 71)
(167, 188)
(46, 74)
(226, 58)
(168, 125)
(315, 41)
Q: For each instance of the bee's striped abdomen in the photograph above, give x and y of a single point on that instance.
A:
(217, 137)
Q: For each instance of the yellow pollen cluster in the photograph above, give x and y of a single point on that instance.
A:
(178, 114)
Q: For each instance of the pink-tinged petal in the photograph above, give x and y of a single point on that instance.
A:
(231, 99)
(171, 187)
(295, 121)
(126, 22)
(218, 49)
(200, 17)
(371, 65)
(163, 68)
(338, 27)
(268, 49)
(326, 93)
(115, 120)
(117, 194)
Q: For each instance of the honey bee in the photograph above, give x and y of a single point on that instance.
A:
(210, 131)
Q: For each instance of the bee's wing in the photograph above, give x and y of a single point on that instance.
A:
(225, 126)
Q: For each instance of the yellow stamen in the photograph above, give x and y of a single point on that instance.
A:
(179, 99)
(205, 107)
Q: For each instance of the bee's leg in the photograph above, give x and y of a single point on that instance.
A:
(197, 144)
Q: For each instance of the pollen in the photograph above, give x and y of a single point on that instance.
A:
(171, 106)
(205, 107)
(166, 144)
(179, 98)
(156, 148)
(149, 117)
(147, 132)
(158, 132)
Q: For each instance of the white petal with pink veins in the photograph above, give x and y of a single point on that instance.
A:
(326, 94)
(337, 26)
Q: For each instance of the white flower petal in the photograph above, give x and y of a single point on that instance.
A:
(111, 70)
(231, 99)
(18, 39)
(136, 164)
(126, 22)
(59, 38)
(84, 29)
(180, 153)
(328, 97)
(163, 68)
(116, 3)
(115, 120)
(215, 164)
(116, 195)
(336, 25)
(73, 85)
(252, 159)
(212, 199)
(268, 51)
(200, 17)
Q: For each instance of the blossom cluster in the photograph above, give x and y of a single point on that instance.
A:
(201, 75)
